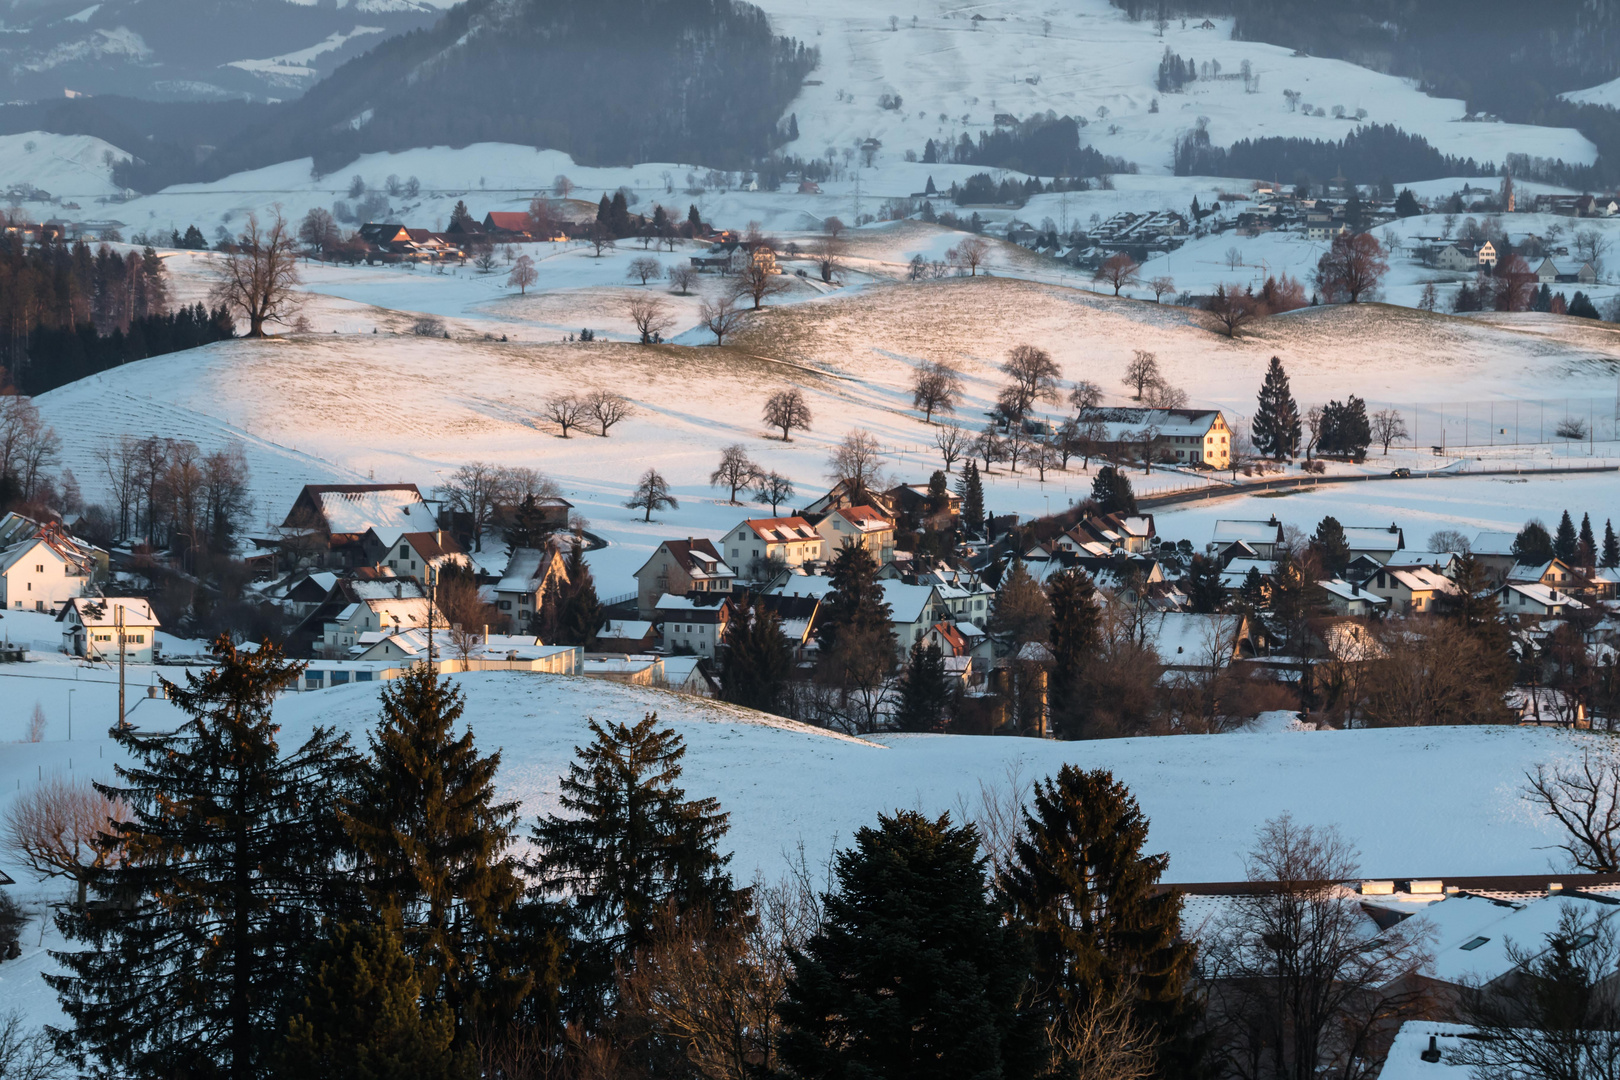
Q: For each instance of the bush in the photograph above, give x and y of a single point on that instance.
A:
(12, 920)
(429, 326)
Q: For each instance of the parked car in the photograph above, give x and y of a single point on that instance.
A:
(1402, 473)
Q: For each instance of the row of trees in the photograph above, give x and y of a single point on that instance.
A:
(172, 495)
(1280, 431)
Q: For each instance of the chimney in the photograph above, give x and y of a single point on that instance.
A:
(1432, 1054)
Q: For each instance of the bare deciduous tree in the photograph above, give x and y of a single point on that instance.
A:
(682, 278)
(608, 408)
(1085, 395)
(756, 280)
(1118, 271)
(259, 274)
(1233, 309)
(1161, 285)
(774, 488)
(970, 254)
(1034, 377)
(523, 274)
(652, 493)
(721, 316)
(1388, 427)
(736, 470)
(1161, 395)
(786, 409)
(935, 387)
(600, 237)
(953, 443)
(474, 489)
(1234, 257)
(61, 829)
(1142, 372)
(1584, 799)
(1443, 540)
(857, 462)
(565, 410)
(1298, 988)
(651, 316)
(36, 724)
(826, 251)
(645, 268)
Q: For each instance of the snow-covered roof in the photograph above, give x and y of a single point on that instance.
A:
(626, 629)
(103, 611)
(1185, 637)
(1472, 936)
(783, 530)
(348, 510)
(864, 519)
(1422, 579)
(522, 571)
(1493, 543)
(1544, 595)
(1351, 592)
(1361, 538)
(1120, 422)
(688, 608)
(388, 589)
(1228, 531)
(813, 585)
(909, 603)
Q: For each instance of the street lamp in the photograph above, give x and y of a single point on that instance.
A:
(70, 714)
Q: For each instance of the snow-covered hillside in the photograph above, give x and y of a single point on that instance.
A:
(67, 166)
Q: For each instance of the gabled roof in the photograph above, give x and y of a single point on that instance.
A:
(699, 558)
(1351, 592)
(783, 529)
(865, 519)
(1229, 531)
(1363, 538)
(907, 603)
(1543, 595)
(507, 220)
(103, 611)
(347, 509)
(1493, 543)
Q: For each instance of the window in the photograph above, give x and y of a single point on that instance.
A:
(1473, 943)
(140, 639)
(40, 568)
(312, 680)
(506, 605)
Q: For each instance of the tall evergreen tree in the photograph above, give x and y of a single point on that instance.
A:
(1276, 417)
(1253, 592)
(1331, 547)
(233, 854)
(460, 216)
(755, 660)
(971, 489)
(434, 844)
(632, 843)
(619, 215)
(1611, 545)
(1586, 550)
(528, 528)
(694, 219)
(1020, 612)
(924, 695)
(1204, 590)
(1472, 604)
(912, 973)
(1075, 633)
(1533, 546)
(580, 619)
(1084, 896)
(1111, 490)
(360, 1015)
(1565, 540)
(856, 600)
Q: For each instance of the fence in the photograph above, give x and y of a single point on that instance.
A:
(1508, 422)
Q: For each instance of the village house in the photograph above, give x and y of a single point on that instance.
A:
(694, 624)
(960, 640)
(1556, 574)
(681, 567)
(910, 502)
(91, 628)
(1535, 601)
(1494, 551)
(913, 609)
(1414, 590)
(1349, 598)
(1188, 641)
(757, 542)
(522, 588)
(627, 636)
(1262, 538)
(1185, 436)
(796, 618)
(412, 554)
(507, 226)
(44, 569)
(375, 605)
(1374, 543)
(1487, 255)
(1133, 533)
(862, 525)
(328, 522)
(1455, 259)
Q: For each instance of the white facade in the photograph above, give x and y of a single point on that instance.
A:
(91, 626)
(35, 576)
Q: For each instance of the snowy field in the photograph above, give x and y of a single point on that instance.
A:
(1416, 803)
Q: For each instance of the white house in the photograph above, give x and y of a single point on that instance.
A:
(1536, 601)
(1190, 436)
(1262, 537)
(412, 554)
(378, 606)
(42, 573)
(913, 610)
(522, 587)
(1377, 543)
(696, 626)
(862, 524)
(1349, 598)
(680, 567)
(1415, 589)
(791, 541)
(90, 628)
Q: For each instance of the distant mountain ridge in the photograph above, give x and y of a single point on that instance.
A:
(610, 82)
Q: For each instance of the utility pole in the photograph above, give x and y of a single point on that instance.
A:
(118, 621)
(432, 587)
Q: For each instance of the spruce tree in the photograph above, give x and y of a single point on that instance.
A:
(694, 219)
(527, 528)
(1331, 547)
(912, 973)
(1611, 545)
(1111, 491)
(924, 694)
(1252, 594)
(360, 1015)
(460, 216)
(1074, 637)
(631, 844)
(1021, 612)
(619, 215)
(1586, 550)
(1084, 897)
(1205, 593)
(580, 618)
(755, 660)
(434, 842)
(234, 853)
(1565, 540)
(971, 489)
(1276, 417)
(1533, 546)
(856, 600)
